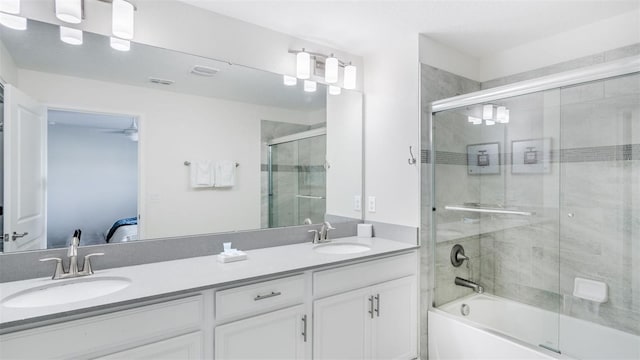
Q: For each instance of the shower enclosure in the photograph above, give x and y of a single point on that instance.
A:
(539, 182)
(297, 178)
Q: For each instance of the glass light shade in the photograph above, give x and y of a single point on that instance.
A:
(506, 117)
(71, 36)
(120, 44)
(303, 65)
(474, 120)
(350, 75)
(310, 86)
(10, 6)
(490, 122)
(501, 114)
(487, 112)
(289, 80)
(69, 11)
(334, 90)
(122, 19)
(13, 22)
(331, 70)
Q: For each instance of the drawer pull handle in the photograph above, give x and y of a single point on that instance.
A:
(304, 328)
(371, 306)
(262, 297)
(377, 297)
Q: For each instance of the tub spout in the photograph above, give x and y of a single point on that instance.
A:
(470, 284)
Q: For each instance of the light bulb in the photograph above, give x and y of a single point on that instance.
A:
(120, 44)
(71, 36)
(487, 112)
(289, 80)
(122, 19)
(10, 6)
(69, 11)
(350, 74)
(331, 70)
(334, 90)
(303, 65)
(310, 86)
(13, 22)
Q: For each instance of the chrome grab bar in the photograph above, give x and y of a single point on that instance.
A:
(309, 197)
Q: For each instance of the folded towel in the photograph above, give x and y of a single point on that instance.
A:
(225, 174)
(202, 174)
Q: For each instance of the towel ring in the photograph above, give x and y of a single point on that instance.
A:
(187, 163)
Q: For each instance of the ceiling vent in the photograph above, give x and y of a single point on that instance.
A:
(201, 70)
(160, 81)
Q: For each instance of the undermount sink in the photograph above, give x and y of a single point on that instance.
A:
(341, 248)
(66, 291)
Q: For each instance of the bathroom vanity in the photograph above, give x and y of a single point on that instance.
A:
(287, 302)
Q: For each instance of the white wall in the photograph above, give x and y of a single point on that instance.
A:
(8, 70)
(174, 25)
(174, 128)
(392, 106)
(344, 153)
(92, 181)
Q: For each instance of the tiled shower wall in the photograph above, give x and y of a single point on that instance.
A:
(594, 178)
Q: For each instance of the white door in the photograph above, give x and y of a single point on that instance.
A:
(395, 327)
(25, 134)
(279, 335)
(185, 347)
(342, 325)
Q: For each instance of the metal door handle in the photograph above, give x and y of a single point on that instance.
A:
(18, 236)
(377, 297)
(371, 306)
(304, 328)
(262, 297)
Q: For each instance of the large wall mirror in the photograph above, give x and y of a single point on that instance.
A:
(151, 143)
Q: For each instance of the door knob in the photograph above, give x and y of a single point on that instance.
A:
(18, 236)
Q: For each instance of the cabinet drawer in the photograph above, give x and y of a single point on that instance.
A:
(259, 298)
(334, 281)
(105, 333)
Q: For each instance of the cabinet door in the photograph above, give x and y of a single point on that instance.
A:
(395, 327)
(276, 335)
(181, 347)
(341, 326)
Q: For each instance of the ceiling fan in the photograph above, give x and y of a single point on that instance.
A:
(131, 132)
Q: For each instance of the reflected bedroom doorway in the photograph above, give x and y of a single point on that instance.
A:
(92, 177)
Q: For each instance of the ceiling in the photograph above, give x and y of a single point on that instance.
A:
(40, 49)
(474, 27)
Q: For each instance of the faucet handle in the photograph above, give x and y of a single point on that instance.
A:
(59, 270)
(316, 235)
(86, 267)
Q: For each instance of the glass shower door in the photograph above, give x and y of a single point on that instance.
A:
(600, 217)
(297, 182)
(496, 194)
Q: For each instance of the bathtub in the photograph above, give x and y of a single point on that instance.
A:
(497, 328)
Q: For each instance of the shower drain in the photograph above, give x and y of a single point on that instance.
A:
(465, 309)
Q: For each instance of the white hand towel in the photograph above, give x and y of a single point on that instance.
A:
(225, 173)
(202, 174)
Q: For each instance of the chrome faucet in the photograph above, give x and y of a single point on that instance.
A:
(72, 254)
(323, 234)
(470, 284)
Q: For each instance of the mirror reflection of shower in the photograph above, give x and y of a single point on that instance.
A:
(296, 171)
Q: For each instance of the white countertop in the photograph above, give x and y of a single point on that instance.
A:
(175, 276)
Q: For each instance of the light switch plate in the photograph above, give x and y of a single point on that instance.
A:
(372, 204)
(357, 203)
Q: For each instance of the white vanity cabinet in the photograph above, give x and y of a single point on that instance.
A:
(373, 322)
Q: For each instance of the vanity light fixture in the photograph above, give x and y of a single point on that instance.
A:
(13, 22)
(10, 6)
(502, 114)
(122, 19)
(303, 65)
(491, 114)
(310, 86)
(71, 36)
(487, 112)
(69, 11)
(120, 44)
(474, 120)
(331, 66)
(334, 90)
(289, 80)
(489, 122)
(350, 73)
